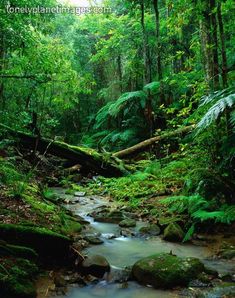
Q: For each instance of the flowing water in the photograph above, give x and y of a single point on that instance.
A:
(125, 251)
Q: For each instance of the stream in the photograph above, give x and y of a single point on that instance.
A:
(125, 251)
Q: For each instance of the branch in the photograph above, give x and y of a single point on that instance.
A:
(149, 142)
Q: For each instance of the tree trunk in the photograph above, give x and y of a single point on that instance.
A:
(119, 62)
(158, 43)
(146, 74)
(88, 158)
(142, 146)
(205, 34)
(214, 45)
(223, 47)
(2, 58)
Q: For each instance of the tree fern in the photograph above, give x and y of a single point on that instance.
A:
(102, 115)
(137, 97)
(152, 88)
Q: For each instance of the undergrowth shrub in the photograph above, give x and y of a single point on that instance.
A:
(200, 210)
(12, 178)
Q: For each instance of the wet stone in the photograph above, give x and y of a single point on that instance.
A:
(127, 223)
(93, 239)
(95, 265)
(79, 194)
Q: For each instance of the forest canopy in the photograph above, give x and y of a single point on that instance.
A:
(112, 79)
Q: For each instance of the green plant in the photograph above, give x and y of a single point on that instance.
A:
(225, 214)
(200, 210)
(216, 104)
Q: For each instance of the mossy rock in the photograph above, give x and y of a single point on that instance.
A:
(127, 223)
(151, 229)
(114, 216)
(93, 239)
(173, 232)
(16, 278)
(71, 227)
(17, 251)
(166, 270)
(47, 244)
(95, 265)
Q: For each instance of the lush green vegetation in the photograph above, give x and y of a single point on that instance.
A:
(97, 84)
(107, 81)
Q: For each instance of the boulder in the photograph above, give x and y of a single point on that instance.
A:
(95, 265)
(114, 216)
(120, 275)
(127, 232)
(127, 223)
(151, 230)
(92, 239)
(173, 232)
(166, 270)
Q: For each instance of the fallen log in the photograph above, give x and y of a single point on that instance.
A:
(144, 145)
(90, 159)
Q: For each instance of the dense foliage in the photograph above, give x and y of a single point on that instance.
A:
(111, 80)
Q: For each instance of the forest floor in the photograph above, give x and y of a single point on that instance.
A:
(29, 209)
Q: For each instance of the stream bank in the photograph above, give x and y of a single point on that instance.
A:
(122, 250)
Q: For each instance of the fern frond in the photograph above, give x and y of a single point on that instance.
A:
(152, 88)
(216, 110)
(186, 203)
(102, 115)
(232, 118)
(224, 215)
(189, 233)
(217, 95)
(125, 99)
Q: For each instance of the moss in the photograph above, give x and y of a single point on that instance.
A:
(126, 223)
(151, 229)
(166, 271)
(173, 232)
(32, 197)
(17, 251)
(86, 150)
(45, 242)
(16, 278)
(71, 227)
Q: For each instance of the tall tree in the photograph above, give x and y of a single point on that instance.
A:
(158, 43)
(223, 47)
(213, 21)
(147, 75)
